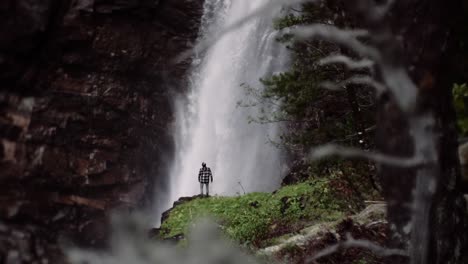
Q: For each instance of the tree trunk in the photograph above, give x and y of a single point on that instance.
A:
(426, 49)
(422, 42)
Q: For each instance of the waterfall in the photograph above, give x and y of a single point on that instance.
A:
(210, 126)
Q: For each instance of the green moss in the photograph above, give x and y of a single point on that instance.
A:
(361, 261)
(253, 217)
(460, 98)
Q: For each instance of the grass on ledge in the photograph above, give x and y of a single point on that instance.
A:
(254, 217)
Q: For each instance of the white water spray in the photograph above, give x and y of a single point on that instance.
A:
(210, 127)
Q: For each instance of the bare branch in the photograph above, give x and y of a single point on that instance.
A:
(350, 242)
(348, 62)
(381, 10)
(364, 80)
(395, 78)
(377, 12)
(401, 85)
(335, 150)
(349, 137)
(343, 37)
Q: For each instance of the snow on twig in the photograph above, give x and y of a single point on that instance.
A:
(346, 152)
(364, 80)
(395, 78)
(375, 11)
(348, 62)
(345, 37)
(400, 85)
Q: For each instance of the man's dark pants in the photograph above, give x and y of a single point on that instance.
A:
(207, 188)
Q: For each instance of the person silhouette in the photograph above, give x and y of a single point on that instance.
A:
(204, 177)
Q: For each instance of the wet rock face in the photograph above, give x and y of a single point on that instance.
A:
(85, 108)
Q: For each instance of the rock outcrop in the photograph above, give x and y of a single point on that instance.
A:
(369, 225)
(85, 110)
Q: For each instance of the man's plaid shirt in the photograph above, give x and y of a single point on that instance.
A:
(205, 175)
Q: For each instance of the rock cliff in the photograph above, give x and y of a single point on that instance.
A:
(85, 110)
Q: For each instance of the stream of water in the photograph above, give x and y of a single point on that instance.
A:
(210, 126)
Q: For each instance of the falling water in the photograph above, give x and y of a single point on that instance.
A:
(210, 126)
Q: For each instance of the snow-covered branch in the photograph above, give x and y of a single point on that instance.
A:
(345, 37)
(363, 80)
(346, 152)
(348, 62)
(374, 10)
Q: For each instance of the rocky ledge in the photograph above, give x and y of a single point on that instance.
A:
(291, 245)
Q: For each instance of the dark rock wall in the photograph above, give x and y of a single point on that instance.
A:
(85, 108)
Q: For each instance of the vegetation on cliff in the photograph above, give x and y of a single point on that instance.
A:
(255, 217)
(287, 226)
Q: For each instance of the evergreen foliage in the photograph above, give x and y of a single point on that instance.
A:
(312, 115)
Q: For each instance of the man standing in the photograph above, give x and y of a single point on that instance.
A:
(204, 177)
